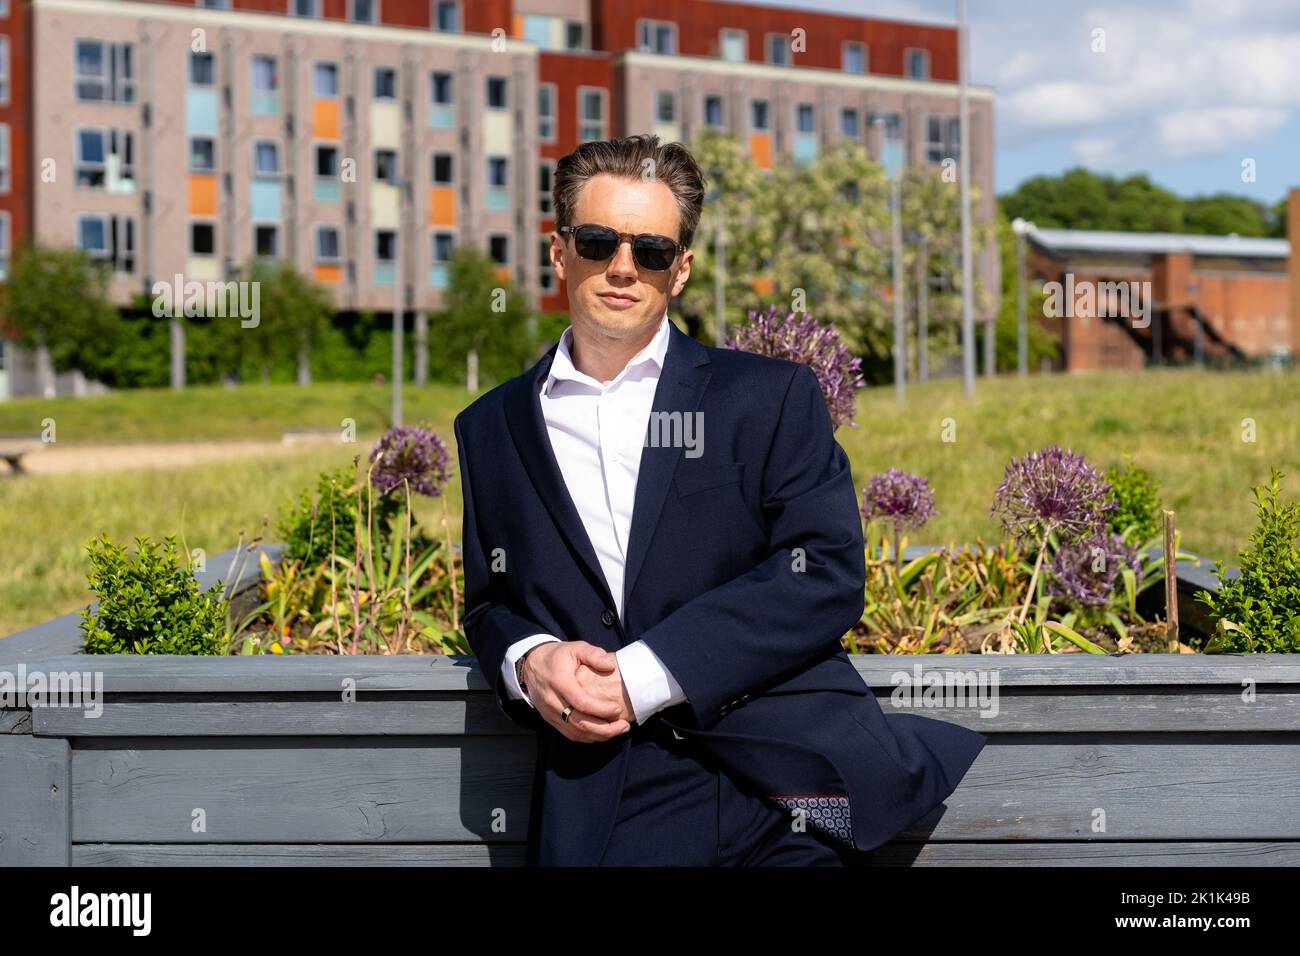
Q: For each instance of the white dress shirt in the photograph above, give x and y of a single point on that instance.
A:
(597, 433)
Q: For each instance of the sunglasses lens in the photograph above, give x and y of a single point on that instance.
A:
(595, 242)
(654, 252)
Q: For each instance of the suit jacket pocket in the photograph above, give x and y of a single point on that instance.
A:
(693, 477)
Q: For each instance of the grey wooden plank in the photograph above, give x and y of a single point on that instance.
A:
(1113, 854)
(302, 789)
(1060, 710)
(62, 635)
(15, 720)
(1107, 854)
(290, 854)
(338, 790)
(436, 672)
(34, 801)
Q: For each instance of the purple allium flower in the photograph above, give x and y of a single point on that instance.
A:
(1085, 571)
(801, 338)
(900, 498)
(412, 453)
(1052, 489)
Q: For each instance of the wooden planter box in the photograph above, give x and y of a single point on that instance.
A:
(1174, 760)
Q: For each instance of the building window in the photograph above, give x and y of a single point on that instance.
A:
(443, 169)
(656, 36)
(306, 8)
(892, 124)
(575, 35)
(499, 249)
(498, 171)
(266, 240)
(325, 80)
(327, 162)
(385, 245)
(440, 88)
(446, 16)
(918, 64)
(4, 157)
(545, 188)
(4, 69)
(327, 245)
(496, 92)
(203, 239)
(546, 96)
(386, 166)
(104, 72)
(265, 76)
(666, 107)
(4, 254)
(203, 154)
(591, 114)
(734, 46)
(545, 271)
(203, 71)
(849, 123)
(363, 11)
(805, 119)
(444, 244)
(110, 238)
(855, 57)
(266, 158)
(714, 116)
(385, 87)
(778, 49)
(214, 4)
(758, 119)
(104, 157)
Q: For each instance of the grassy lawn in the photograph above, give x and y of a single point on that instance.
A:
(1186, 427)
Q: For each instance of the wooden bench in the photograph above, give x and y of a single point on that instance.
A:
(1168, 760)
(14, 447)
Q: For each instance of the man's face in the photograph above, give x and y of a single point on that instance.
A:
(617, 298)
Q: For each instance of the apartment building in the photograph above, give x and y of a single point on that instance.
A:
(364, 140)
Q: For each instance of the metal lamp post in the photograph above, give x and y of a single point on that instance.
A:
(399, 303)
(1022, 228)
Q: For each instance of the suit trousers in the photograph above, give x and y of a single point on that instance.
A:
(678, 809)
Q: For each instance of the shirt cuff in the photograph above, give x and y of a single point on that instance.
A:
(513, 653)
(649, 684)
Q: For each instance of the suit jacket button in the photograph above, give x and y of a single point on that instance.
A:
(607, 617)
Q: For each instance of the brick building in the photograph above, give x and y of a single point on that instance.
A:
(1138, 298)
(357, 138)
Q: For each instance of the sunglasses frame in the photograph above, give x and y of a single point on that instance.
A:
(630, 237)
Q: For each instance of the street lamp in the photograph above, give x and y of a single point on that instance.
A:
(1022, 228)
(967, 277)
(399, 301)
(894, 171)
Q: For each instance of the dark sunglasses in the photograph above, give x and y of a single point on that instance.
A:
(599, 243)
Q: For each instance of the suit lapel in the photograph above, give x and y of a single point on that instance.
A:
(681, 387)
(528, 428)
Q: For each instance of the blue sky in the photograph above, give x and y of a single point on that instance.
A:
(1182, 90)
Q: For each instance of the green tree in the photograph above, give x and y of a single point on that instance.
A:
(1082, 199)
(294, 312)
(55, 302)
(484, 314)
(1224, 213)
(1043, 343)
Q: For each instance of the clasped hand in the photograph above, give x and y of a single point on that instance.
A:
(582, 676)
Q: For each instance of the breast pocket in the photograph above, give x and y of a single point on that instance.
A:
(691, 479)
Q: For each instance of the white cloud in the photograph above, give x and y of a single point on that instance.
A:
(1208, 132)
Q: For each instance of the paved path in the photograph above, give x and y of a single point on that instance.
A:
(58, 459)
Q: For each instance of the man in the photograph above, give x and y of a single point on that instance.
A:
(662, 552)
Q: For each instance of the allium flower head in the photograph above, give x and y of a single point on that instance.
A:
(412, 453)
(799, 337)
(903, 499)
(1086, 571)
(1053, 489)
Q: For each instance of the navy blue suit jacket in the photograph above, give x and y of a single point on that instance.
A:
(745, 567)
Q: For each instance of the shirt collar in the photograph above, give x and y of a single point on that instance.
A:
(562, 366)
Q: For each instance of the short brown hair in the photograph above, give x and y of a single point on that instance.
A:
(629, 158)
